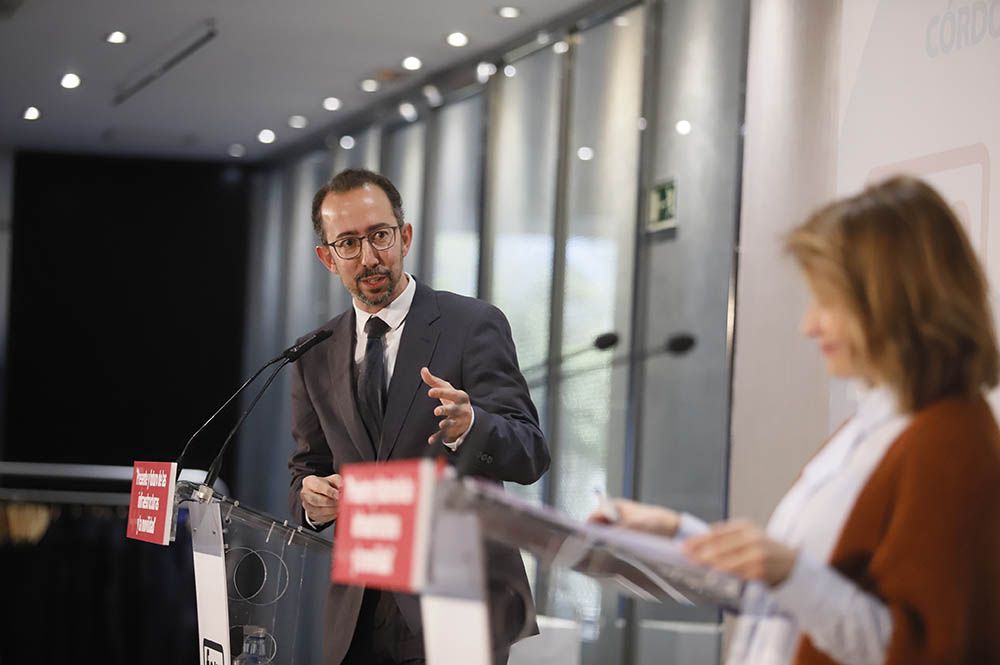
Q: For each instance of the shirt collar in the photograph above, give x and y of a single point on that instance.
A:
(877, 405)
(393, 314)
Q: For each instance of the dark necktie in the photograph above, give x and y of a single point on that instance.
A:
(371, 379)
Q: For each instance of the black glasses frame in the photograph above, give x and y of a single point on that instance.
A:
(337, 244)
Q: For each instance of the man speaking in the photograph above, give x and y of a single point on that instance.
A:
(406, 368)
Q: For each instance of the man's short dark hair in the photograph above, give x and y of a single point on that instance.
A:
(347, 181)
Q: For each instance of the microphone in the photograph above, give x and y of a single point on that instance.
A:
(602, 342)
(291, 354)
(675, 345)
(295, 351)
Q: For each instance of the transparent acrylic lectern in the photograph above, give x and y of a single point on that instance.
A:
(251, 572)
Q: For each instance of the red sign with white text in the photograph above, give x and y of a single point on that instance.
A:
(382, 533)
(151, 506)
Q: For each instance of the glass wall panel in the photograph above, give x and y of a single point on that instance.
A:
(453, 196)
(403, 164)
(601, 210)
(521, 208)
(364, 151)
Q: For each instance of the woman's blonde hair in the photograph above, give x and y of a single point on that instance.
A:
(896, 256)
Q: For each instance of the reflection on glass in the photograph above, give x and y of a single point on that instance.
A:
(521, 207)
(601, 199)
(454, 197)
(403, 164)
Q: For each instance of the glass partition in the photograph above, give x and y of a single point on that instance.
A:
(603, 157)
(403, 164)
(453, 196)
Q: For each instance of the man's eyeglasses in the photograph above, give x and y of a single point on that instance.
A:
(349, 247)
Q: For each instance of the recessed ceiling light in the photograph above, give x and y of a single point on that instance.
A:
(585, 153)
(508, 12)
(298, 121)
(408, 111)
(32, 113)
(346, 142)
(412, 63)
(484, 70)
(370, 85)
(70, 81)
(266, 136)
(560, 47)
(331, 103)
(457, 39)
(237, 150)
(433, 96)
(683, 127)
(116, 37)
(543, 38)
(510, 71)
(621, 21)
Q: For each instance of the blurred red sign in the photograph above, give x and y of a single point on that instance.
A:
(383, 527)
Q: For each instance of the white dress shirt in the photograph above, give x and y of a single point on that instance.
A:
(394, 315)
(848, 624)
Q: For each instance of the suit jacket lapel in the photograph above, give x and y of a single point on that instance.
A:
(415, 350)
(340, 358)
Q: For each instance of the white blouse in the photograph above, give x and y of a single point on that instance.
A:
(849, 625)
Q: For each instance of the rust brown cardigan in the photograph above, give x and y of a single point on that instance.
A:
(924, 536)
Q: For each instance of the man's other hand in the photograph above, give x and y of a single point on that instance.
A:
(455, 410)
(321, 497)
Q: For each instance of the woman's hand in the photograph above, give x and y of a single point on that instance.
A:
(640, 517)
(742, 549)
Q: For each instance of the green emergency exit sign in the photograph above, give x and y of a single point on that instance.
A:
(662, 206)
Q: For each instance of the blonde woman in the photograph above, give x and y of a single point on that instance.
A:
(886, 549)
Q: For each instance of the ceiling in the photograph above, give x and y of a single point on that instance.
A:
(269, 60)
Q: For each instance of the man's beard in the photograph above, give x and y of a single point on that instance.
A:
(381, 299)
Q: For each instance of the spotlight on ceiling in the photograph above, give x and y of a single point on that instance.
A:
(32, 113)
(560, 47)
(346, 142)
(433, 96)
(116, 37)
(585, 153)
(683, 127)
(237, 150)
(484, 70)
(331, 104)
(508, 12)
(298, 121)
(370, 85)
(457, 39)
(408, 111)
(70, 81)
(412, 63)
(510, 71)
(266, 136)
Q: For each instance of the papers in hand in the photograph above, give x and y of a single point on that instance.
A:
(644, 565)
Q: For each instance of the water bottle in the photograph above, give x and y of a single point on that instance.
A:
(254, 647)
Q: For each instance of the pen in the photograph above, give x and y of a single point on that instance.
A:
(606, 508)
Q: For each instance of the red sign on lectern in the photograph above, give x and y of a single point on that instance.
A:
(383, 527)
(151, 506)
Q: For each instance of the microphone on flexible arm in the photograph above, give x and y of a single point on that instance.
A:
(675, 345)
(602, 342)
(291, 354)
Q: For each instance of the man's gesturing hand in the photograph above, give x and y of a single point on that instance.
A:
(455, 409)
(321, 497)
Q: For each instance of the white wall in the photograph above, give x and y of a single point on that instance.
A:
(789, 167)
(840, 94)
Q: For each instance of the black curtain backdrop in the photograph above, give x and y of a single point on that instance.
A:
(127, 301)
